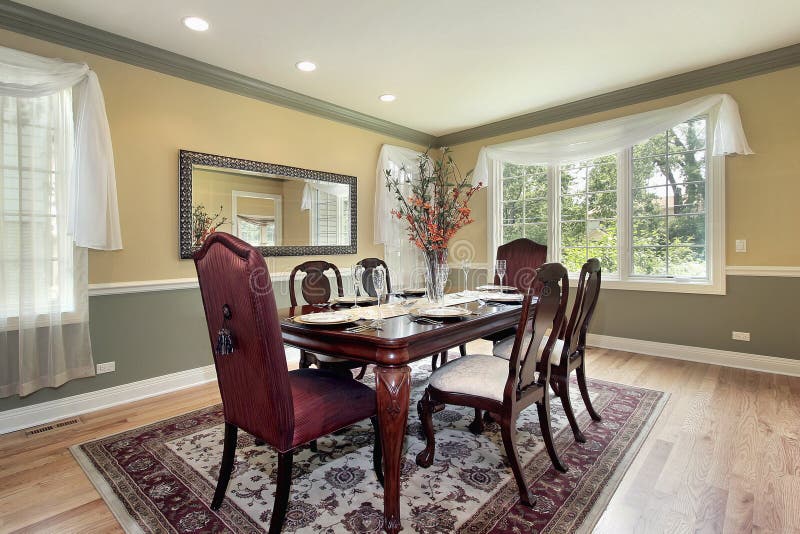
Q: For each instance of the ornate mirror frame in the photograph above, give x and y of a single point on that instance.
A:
(189, 159)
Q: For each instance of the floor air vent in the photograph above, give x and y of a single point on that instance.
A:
(50, 427)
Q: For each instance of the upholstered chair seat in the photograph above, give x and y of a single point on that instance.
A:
(319, 395)
(481, 375)
(503, 349)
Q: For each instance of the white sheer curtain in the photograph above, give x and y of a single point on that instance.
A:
(337, 190)
(599, 139)
(405, 261)
(57, 197)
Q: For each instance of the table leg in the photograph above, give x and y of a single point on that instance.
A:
(393, 387)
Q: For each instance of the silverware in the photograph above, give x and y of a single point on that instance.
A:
(363, 328)
(425, 320)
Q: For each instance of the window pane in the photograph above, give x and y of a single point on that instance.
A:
(688, 166)
(650, 261)
(603, 178)
(607, 257)
(512, 232)
(573, 208)
(537, 232)
(676, 159)
(649, 201)
(512, 190)
(573, 180)
(650, 231)
(655, 145)
(650, 172)
(602, 205)
(573, 234)
(511, 171)
(687, 230)
(688, 198)
(512, 212)
(602, 233)
(536, 185)
(573, 259)
(687, 261)
(536, 210)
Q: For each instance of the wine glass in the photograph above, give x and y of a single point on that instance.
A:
(442, 272)
(379, 283)
(500, 270)
(358, 274)
(465, 266)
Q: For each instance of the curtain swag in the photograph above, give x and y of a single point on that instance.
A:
(92, 214)
(602, 138)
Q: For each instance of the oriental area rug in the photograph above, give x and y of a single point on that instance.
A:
(161, 477)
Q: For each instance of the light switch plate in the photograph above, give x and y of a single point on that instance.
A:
(741, 245)
(741, 336)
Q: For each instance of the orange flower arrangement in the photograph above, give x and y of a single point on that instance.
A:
(438, 204)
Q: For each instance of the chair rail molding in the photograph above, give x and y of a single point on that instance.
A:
(762, 270)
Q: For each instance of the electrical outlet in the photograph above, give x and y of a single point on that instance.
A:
(741, 336)
(107, 367)
(741, 245)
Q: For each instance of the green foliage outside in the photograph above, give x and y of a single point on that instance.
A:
(668, 191)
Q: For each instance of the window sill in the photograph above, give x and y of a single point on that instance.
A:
(663, 286)
(67, 318)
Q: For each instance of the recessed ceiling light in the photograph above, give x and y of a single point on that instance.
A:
(195, 23)
(306, 66)
(388, 98)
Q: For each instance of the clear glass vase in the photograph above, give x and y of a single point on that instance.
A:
(434, 283)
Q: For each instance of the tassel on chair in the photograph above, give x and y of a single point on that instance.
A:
(224, 337)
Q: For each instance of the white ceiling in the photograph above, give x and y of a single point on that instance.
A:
(453, 64)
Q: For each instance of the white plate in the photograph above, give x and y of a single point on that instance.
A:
(493, 287)
(443, 313)
(325, 318)
(503, 297)
(362, 299)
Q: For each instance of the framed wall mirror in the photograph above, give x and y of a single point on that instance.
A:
(283, 211)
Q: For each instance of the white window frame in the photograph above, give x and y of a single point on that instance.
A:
(715, 226)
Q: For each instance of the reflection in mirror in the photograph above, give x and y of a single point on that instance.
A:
(282, 210)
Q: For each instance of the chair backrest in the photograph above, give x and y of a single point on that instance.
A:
(316, 287)
(583, 308)
(370, 264)
(548, 314)
(254, 378)
(523, 256)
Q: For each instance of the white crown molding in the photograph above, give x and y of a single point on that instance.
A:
(45, 412)
(759, 270)
(725, 358)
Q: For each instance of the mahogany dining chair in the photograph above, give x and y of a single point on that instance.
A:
(569, 350)
(316, 289)
(259, 394)
(523, 256)
(505, 387)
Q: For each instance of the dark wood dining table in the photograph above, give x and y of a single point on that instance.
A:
(400, 342)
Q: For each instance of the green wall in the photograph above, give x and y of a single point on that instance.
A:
(156, 333)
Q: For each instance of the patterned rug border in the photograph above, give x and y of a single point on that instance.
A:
(128, 522)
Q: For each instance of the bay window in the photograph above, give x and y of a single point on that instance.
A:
(652, 213)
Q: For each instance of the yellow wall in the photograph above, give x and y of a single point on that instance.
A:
(153, 115)
(761, 190)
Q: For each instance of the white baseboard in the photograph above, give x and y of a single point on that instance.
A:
(45, 412)
(726, 358)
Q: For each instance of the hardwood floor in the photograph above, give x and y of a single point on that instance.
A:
(723, 457)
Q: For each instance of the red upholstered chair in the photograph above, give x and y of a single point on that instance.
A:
(316, 289)
(505, 387)
(259, 395)
(523, 256)
(568, 352)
